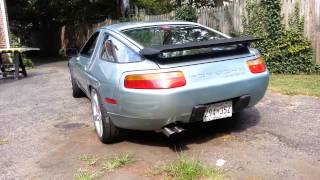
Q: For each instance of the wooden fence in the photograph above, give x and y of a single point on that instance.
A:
(226, 18)
(75, 37)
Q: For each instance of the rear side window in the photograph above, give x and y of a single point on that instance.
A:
(88, 48)
(115, 51)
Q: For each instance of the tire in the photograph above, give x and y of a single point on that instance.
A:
(76, 91)
(106, 131)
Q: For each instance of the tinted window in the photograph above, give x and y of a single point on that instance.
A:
(115, 51)
(171, 34)
(88, 48)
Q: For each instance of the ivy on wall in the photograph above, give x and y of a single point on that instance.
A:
(273, 18)
(286, 50)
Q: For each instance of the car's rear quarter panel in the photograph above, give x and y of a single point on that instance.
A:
(109, 74)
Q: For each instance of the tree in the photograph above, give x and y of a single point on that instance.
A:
(61, 11)
(38, 22)
(33, 20)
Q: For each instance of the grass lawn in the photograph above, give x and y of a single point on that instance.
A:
(296, 84)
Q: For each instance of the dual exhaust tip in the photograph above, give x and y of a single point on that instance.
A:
(171, 130)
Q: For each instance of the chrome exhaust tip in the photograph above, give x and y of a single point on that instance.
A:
(170, 130)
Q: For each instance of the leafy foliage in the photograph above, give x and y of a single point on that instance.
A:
(273, 18)
(285, 50)
(165, 6)
(30, 19)
(154, 6)
(27, 62)
(204, 3)
(14, 41)
(61, 12)
(186, 13)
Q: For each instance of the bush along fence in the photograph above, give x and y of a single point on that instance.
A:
(285, 49)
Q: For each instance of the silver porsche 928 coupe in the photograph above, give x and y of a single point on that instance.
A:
(161, 75)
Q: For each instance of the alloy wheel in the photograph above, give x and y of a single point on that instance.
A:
(96, 112)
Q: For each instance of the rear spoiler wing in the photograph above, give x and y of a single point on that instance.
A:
(154, 51)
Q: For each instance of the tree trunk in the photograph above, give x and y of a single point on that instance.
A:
(118, 9)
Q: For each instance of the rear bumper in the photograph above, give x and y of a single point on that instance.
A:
(151, 110)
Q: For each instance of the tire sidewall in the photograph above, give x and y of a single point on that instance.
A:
(76, 91)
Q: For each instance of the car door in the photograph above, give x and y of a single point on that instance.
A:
(87, 54)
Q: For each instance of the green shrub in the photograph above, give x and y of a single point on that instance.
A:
(14, 41)
(292, 55)
(27, 62)
(154, 6)
(286, 50)
(186, 13)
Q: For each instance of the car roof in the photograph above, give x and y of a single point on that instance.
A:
(129, 25)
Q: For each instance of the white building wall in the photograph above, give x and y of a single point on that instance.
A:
(4, 28)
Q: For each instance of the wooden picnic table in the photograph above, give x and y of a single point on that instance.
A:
(18, 63)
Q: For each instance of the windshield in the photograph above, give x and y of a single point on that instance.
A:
(171, 35)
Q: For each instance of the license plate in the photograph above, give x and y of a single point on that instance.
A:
(218, 111)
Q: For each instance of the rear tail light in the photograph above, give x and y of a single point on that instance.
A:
(257, 65)
(166, 80)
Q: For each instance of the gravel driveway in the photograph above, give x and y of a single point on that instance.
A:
(47, 131)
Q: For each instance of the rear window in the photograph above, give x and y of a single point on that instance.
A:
(179, 34)
(171, 35)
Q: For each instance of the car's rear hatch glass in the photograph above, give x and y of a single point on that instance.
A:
(164, 35)
(170, 34)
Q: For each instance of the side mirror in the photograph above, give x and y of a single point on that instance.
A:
(71, 52)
